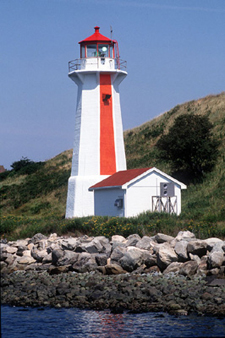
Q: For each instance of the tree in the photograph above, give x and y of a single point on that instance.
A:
(189, 145)
(26, 166)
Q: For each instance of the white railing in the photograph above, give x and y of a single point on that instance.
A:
(97, 62)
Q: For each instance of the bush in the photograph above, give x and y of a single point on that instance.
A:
(189, 146)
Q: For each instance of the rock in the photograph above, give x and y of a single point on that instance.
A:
(52, 237)
(202, 266)
(165, 256)
(132, 240)
(47, 258)
(145, 243)
(197, 247)
(56, 254)
(38, 255)
(211, 242)
(55, 270)
(185, 236)
(26, 260)
(36, 238)
(101, 259)
(154, 270)
(27, 253)
(131, 259)
(161, 238)
(85, 263)
(20, 250)
(42, 244)
(70, 243)
(148, 259)
(195, 258)
(114, 269)
(219, 246)
(10, 259)
(215, 259)
(181, 250)
(4, 256)
(11, 249)
(173, 267)
(188, 268)
(118, 253)
(117, 238)
(69, 258)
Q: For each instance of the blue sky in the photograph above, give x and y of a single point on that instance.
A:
(175, 52)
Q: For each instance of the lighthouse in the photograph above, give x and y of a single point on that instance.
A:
(98, 145)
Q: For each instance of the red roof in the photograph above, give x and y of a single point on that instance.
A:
(97, 37)
(120, 178)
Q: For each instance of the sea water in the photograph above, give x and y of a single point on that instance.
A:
(19, 322)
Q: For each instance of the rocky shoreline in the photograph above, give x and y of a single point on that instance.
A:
(179, 275)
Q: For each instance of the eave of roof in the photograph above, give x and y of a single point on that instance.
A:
(122, 179)
(119, 178)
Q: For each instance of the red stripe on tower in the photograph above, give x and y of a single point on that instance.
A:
(107, 143)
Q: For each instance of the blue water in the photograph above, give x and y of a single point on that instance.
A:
(18, 322)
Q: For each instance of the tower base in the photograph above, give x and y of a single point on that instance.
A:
(80, 201)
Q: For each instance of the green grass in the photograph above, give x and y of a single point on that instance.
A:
(149, 224)
(35, 200)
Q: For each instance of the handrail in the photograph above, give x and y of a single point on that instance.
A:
(77, 64)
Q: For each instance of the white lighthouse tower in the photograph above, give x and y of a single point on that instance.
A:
(99, 145)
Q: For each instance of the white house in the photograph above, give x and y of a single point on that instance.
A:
(130, 192)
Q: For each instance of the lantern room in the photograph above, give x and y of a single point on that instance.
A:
(97, 45)
(97, 52)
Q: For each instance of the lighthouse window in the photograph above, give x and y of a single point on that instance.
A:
(83, 52)
(103, 50)
(111, 52)
(91, 51)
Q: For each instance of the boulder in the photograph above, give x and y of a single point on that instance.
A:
(36, 238)
(10, 259)
(25, 260)
(132, 259)
(181, 250)
(27, 253)
(215, 259)
(70, 243)
(114, 269)
(188, 268)
(69, 258)
(161, 238)
(219, 246)
(211, 242)
(47, 258)
(85, 263)
(20, 250)
(197, 247)
(148, 259)
(165, 256)
(56, 254)
(118, 253)
(145, 243)
(38, 255)
(117, 238)
(173, 267)
(195, 258)
(132, 240)
(101, 259)
(185, 236)
(11, 249)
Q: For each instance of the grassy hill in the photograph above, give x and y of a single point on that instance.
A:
(42, 193)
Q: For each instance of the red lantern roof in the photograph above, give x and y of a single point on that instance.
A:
(97, 37)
